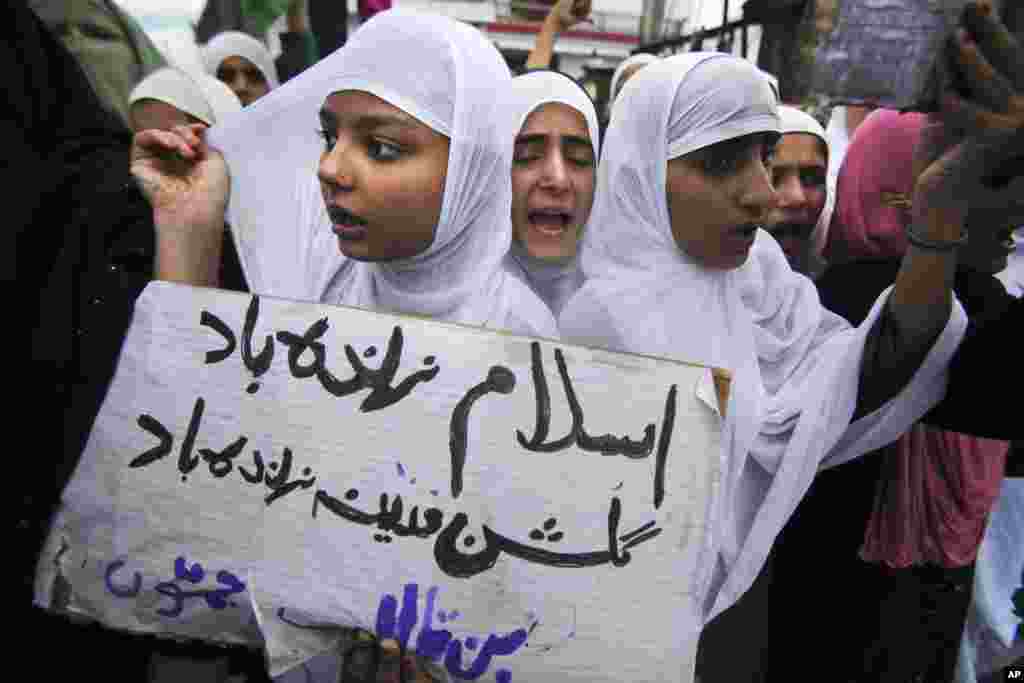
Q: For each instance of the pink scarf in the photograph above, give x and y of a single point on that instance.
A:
(936, 488)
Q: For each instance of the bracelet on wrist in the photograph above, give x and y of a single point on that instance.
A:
(934, 245)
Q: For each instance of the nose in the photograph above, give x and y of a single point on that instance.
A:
(758, 195)
(335, 170)
(790, 191)
(555, 175)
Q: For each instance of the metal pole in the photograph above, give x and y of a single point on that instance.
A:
(651, 21)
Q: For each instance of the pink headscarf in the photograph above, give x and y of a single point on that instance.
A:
(878, 162)
(936, 488)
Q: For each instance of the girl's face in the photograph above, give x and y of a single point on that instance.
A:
(244, 78)
(382, 176)
(553, 169)
(718, 196)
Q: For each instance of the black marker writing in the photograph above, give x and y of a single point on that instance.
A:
(499, 380)
(259, 363)
(605, 444)
(207, 319)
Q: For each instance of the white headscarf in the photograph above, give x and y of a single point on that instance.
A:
(197, 94)
(238, 44)
(553, 282)
(640, 59)
(444, 73)
(795, 366)
(797, 121)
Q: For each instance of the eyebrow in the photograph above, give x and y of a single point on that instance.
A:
(369, 121)
(541, 137)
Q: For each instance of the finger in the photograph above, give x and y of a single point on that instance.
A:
(187, 134)
(970, 117)
(161, 143)
(936, 137)
(989, 87)
(389, 669)
(999, 46)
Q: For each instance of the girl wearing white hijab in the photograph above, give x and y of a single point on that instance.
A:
(171, 96)
(808, 233)
(554, 127)
(676, 266)
(402, 205)
(243, 63)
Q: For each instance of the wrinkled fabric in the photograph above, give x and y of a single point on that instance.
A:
(112, 49)
(797, 121)
(197, 94)
(237, 44)
(445, 74)
(933, 500)
(553, 282)
(795, 366)
(642, 58)
(877, 172)
(937, 487)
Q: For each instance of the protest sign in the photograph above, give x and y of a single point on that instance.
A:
(269, 473)
(883, 52)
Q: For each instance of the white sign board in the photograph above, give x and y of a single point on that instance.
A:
(267, 472)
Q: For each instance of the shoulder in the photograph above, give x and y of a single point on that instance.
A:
(522, 311)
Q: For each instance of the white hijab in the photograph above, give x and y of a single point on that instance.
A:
(553, 282)
(640, 58)
(795, 365)
(238, 44)
(445, 74)
(197, 94)
(797, 121)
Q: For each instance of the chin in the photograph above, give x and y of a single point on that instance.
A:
(548, 249)
(357, 251)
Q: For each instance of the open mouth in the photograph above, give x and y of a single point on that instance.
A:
(550, 221)
(347, 225)
(344, 217)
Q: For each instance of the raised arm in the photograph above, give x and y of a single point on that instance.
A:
(187, 184)
(959, 151)
(563, 16)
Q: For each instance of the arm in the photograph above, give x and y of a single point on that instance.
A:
(952, 161)
(187, 185)
(563, 16)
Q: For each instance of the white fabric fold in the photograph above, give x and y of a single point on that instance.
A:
(444, 73)
(197, 94)
(640, 59)
(237, 44)
(553, 282)
(795, 365)
(796, 121)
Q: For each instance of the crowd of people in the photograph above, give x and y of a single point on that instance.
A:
(845, 276)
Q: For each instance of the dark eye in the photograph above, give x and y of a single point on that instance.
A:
(524, 153)
(768, 154)
(255, 75)
(580, 156)
(329, 138)
(721, 164)
(381, 150)
(812, 178)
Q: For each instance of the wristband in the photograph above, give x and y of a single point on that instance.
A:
(933, 245)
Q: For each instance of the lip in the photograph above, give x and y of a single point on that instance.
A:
(347, 225)
(554, 221)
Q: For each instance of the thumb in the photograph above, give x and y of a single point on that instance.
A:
(935, 140)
